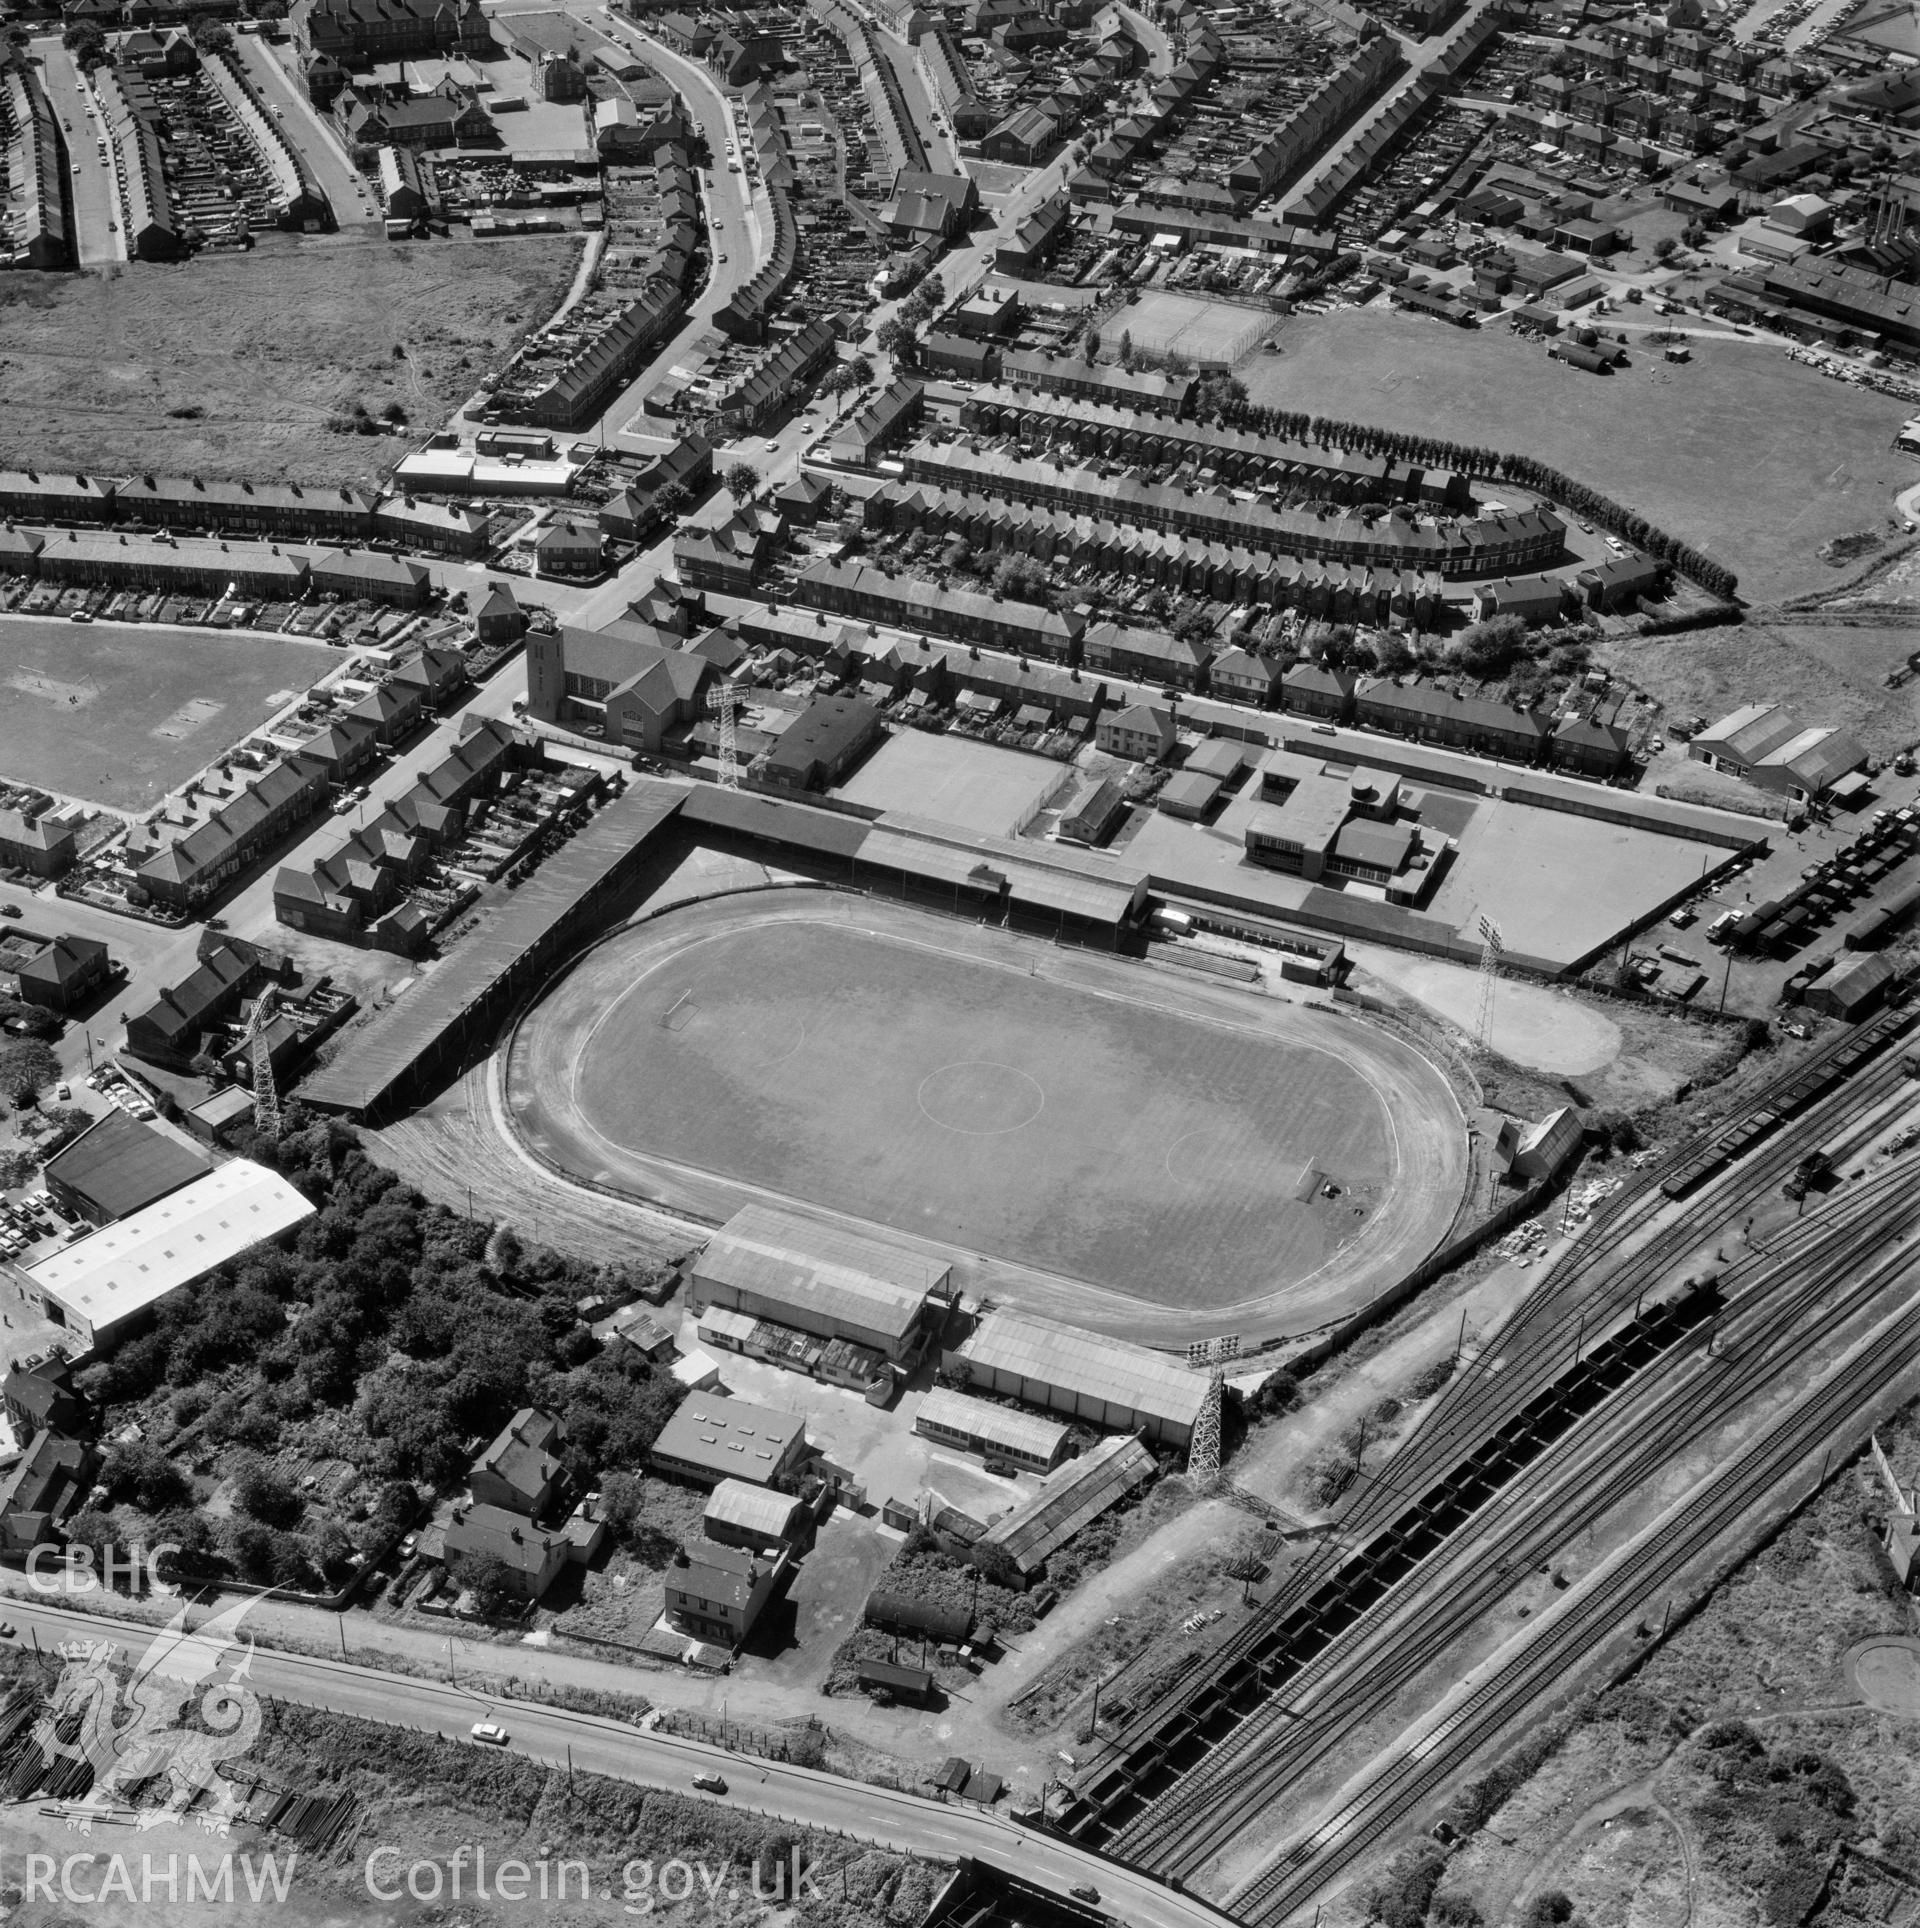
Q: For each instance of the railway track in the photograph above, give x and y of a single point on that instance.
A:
(1590, 1289)
(1657, 1561)
(1823, 1272)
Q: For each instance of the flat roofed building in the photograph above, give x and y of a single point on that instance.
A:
(99, 1285)
(118, 1167)
(816, 1278)
(711, 1438)
(1065, 1370)
(992, 1431)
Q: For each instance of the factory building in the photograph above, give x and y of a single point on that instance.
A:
(711, 1438)
(100, 1287)
(1106, 1382)
(790, 1271)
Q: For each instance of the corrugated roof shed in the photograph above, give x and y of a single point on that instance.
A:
(1078, 1493)
(836, 1274)
(1126, 1375)
(960, 1412)
(751, 1508)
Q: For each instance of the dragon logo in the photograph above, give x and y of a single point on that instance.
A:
(135, 1732)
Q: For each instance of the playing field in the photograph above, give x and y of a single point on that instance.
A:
(119, 713)
(916, 1074)
(1754, 459)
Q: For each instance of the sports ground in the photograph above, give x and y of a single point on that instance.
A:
(121, 713)
(1068, 1117)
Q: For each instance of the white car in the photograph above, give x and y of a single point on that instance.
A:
(489, 1733)
(772, 448)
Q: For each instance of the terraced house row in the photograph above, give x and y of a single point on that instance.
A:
(272, 509)
(1226, 572)
(1456, 548)
(1098, 429)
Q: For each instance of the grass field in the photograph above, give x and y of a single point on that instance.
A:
(884, 1075)
(1827, 673)
(1752, 458)
(232, 365)
(121, 713)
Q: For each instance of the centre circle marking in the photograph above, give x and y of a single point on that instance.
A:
(980, 1088)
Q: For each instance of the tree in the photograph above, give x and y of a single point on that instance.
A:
(672, 499)
(211, 36)
(488, 1579)
(85, 42)
(1020, 577)
(333, 1552)
(896, 338)
(1126, 349)
(1489, 649)
(1090, 345)
(741, 481)
(139, 1471)
(29, 1020)
(1193, 625)
(263, 1495)
(26, 1068)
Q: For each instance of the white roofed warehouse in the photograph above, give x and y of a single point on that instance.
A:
(815, 1278)
(101, 1286)
(1106, 1382)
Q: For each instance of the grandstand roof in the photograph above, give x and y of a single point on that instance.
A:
(375, 1060)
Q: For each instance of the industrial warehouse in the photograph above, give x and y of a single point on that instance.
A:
(101, 1287)
(770, 1266)
(1062, 1369)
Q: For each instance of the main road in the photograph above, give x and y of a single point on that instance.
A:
(804, 1797)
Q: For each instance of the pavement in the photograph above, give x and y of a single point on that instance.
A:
(95, 200)
(904, 1823)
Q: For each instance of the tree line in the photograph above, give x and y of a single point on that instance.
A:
(1527, 471)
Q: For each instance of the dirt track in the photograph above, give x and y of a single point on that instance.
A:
(455, 1152)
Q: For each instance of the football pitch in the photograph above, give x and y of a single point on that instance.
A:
(120, 713)
(915, 1075)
